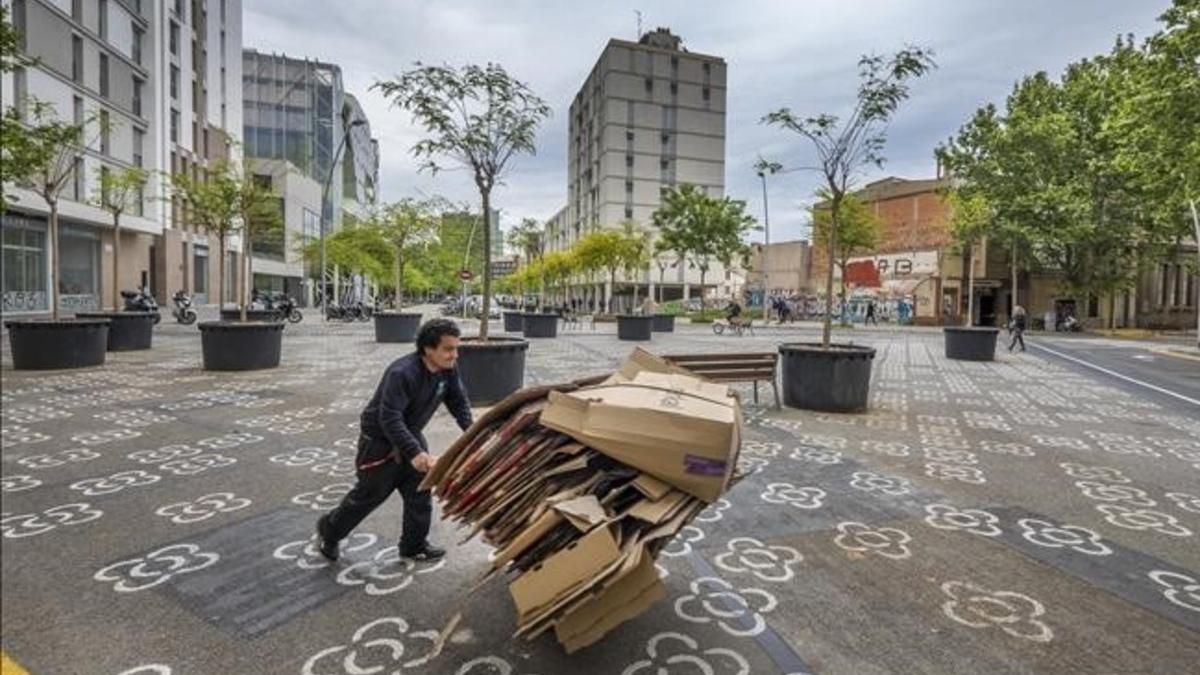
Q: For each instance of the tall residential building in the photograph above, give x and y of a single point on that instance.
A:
(302, 130)
(157, 80)
(651, 115)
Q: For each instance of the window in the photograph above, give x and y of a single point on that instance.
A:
(104, 19)
(175, 82)
(77, 192)
(18, 21)
(705, 93)
(666, 138)
(664, 164)
(77, 10)
(200, 269)
(77, 59)
(629, 186)
(105, 132)
(20, 91)
(139, 139)
(628, 211)
(104, 75)
(649, 85)
(174, 38)
(78, 111)
(137, 44)
(174, 126)
(674, 88)
(629, 160)
(178, 7)
(675, 63)
(204, 137)
(137, 96)
(629, 136)
(707, 68)
(105, 177)
(24, 271)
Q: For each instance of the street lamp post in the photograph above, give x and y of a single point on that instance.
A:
(324, 197)
(764, 167)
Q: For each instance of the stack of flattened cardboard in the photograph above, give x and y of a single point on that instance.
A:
(580, 486)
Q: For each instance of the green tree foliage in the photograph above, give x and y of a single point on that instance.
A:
(844, 147)
(602, 250)
(478, 118)
(408, 226)
(700, 229)
(120, 191)
(858, 233)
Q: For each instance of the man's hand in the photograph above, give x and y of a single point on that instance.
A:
(423, 462)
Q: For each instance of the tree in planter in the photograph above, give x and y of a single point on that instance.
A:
(844, 147)
(226, 202)
(603, 250)
(859, 231)
(527, 239)
(120, 191)
(44, 159)
(405, 224)
(479, 117)
(636, 254)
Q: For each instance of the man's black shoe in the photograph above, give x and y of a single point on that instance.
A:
(327, 547)
(427, 553)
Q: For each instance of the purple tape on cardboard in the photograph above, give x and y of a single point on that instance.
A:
(704, 466)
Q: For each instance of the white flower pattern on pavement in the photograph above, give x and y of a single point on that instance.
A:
(679, 654)
(385, 573)
(18, 483)
(714, 600)
(1014, 613)
(818, 454)
(714, 511)
(958, 472)
(202, 508)
(768, 563)
(377, 646)
(1100, 473)
(975, 521)
(93, 487)
(1073, 537)
(1179, 589)
(1114, 493)
(323, 499)
(17, 526)
(868, 481)
(888, 542)
(1185, 501)
(1143, 519)
(681, 544)
(307, 557)
(155, 568)
(799, 497)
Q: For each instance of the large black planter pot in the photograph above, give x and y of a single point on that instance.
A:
(43, 344)
(837, 379)
(233, 345)
(396, 326)
(663, 323)
(252, 315)
(127, 331)
(491, 370)
(974, 343)
(634, 327)
(540, 325)
(514, 322)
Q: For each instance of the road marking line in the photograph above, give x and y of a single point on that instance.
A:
(1115, 374)
(10, 667)
(1170, 352)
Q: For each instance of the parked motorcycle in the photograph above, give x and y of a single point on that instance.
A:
(141, 301)
(286, 307)
(183, 311)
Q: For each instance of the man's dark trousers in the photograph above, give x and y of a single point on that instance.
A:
(374, 486)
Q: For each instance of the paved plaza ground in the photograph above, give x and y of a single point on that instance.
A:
(1029, 515)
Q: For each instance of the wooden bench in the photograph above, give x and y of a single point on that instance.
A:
(751, 367)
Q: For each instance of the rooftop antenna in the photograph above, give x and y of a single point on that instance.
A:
(638, 12)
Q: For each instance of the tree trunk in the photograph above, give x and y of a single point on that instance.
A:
(1014, 280)
(55, 266)
(487, 263)
(246, 267)
(970, 320)
(845, 302)
(1196, 234)
(1112, 310)
(662, 272)
(398, 300)
(221, 274)
(827, 327)
(612, 291)
(116, 283)
(703, 305)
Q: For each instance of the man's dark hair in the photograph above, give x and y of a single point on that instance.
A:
(431, 333)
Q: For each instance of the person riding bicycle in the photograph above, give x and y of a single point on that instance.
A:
(733, 312)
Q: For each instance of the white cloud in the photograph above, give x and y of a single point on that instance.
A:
(797, 54)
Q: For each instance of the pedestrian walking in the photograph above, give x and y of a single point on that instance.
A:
(392, 452)
(871, 314)
(1016, 327)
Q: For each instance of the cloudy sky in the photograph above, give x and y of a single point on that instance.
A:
(796, 53)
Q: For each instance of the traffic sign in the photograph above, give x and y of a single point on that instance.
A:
(465, 275)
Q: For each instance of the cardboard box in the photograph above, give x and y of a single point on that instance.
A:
(678, 428)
